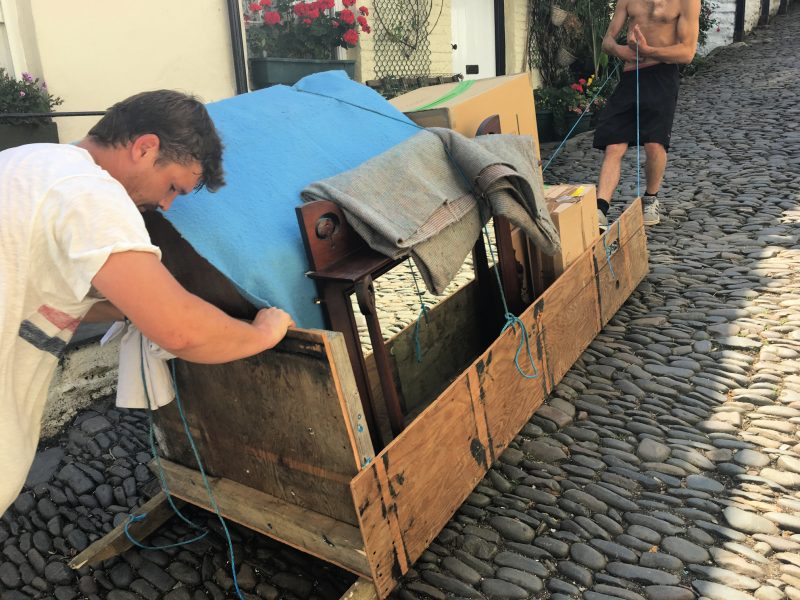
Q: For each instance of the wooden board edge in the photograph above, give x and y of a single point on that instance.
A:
(362, 589)
(311, 532)
(157, 512)
(349, 399)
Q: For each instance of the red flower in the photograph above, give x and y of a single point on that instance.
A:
(348, 2)
(350, 37)
(582, 81)
(307, 21)
(326, 4)
(313, 12)
(362, 21)
(334, 23)
(300, 9)
(272, 17)
(347, 16)
(577, 87)
(254, 7)
(366, 29)
(266, 2)
(363, 10)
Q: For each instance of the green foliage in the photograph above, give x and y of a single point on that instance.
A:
(26, 95)
(299, 29)
(707, 20)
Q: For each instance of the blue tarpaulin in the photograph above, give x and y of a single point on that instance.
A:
(277, 141)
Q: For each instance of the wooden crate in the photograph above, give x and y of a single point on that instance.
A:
(288, 456)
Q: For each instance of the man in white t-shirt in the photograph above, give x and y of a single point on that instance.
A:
(71, 235)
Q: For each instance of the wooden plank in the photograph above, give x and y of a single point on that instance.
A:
(569, 315)
(450, 339)
(620, 266)
(115, 542)
(362, 589)
(285, 422)
(415, 484)
(336, 542)
(418, 483)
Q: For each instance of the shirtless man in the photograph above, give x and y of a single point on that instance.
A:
(666, 33)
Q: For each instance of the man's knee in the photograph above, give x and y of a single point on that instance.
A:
(615, 152)
(654, 149)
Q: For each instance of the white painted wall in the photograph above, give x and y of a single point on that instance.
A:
(94, 53)
(751, 14)
(722, 35)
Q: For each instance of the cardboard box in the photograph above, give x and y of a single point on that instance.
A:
(573, 209)
(463, 106)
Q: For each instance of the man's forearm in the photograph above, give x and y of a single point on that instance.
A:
(680, 54)
(103, 312)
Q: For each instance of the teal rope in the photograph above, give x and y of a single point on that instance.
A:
(163, 479)
(638, 149)
(614, 246)
(423, 313)
(512, 320)
(583, 114)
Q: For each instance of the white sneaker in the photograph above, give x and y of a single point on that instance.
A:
(602, 220)
(651, 214)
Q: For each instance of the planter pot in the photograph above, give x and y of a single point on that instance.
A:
(265, 72)
(558, 15)
(545, 128)
(565, 58)
(17, 135)
(569, 120)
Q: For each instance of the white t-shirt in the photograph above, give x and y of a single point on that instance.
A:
(61, 216)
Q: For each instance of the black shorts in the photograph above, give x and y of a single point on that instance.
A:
(658, 95)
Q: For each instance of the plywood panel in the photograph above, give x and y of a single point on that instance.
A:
(407, 494)
(450, 339)
(286, 422)
(620, 258)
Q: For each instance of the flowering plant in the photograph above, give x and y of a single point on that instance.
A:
(28, 95)
(579, 95)
(303, 29)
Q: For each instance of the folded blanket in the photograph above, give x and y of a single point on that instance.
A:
(430, 195)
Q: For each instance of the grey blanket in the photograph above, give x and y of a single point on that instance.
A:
(430, 195)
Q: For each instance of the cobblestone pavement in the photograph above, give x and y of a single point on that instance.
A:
(665, 466)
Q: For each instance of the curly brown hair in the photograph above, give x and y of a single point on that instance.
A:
(182, 124)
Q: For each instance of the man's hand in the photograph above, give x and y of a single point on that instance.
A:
(626, 54)
(636, 37)
(274, 321)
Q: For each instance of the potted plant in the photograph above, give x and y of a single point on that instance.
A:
(546, 100)
(289, 39)
(24, 96)
(573, 101)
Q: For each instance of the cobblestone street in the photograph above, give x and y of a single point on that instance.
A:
(666, 465)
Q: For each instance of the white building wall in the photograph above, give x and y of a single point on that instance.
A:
(752, 13)
(722, 33)
(93, 54)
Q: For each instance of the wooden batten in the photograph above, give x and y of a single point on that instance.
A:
(414, 486)
(331, 540)
(287, 422)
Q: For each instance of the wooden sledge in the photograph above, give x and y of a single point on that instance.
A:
(288, 451)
